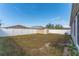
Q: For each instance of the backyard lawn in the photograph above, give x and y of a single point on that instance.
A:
(33, 45)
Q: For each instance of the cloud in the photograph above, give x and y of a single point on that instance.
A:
(66, 26)
(59, 20)
(56, 18)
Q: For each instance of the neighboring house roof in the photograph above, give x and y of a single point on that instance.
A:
(75, 9)
(38, 27)
(17, 27)
(24, 27)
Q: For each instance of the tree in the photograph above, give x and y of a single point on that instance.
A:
(50, 26)
(58, 26)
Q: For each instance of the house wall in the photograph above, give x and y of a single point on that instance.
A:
(75, 9)
(74, 31)
(74, 12)
(74, 37)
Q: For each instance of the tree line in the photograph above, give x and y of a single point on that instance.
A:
(52, 26)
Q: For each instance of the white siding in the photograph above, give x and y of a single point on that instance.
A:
(77, 32)
(74, 37)
(72, 32)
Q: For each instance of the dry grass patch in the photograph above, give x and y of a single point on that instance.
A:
(37, 44)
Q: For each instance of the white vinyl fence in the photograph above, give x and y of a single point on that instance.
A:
(59, 31)
(14, 32)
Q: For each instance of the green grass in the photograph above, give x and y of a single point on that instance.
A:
(31, 44)
(73, 49)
